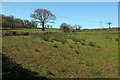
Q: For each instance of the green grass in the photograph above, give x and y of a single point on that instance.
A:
(90, 54)
(33, 30)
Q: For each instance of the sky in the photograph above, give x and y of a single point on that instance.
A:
(87, 14)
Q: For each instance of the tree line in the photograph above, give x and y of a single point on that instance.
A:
(42, 16)
(11, 22)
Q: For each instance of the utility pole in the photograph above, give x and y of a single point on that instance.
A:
(101, 24)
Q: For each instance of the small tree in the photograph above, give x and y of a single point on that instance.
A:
(64, 27)
(33, 24)
(18, 23)
(109, 23)
(77, 27)
(10, 20)
(43, 16)
(26, 23)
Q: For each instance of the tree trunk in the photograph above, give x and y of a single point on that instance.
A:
(43, 28)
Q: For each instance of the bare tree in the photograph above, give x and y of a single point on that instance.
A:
(109, 23)
(43, 16)
(77, 27)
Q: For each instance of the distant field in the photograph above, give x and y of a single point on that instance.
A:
(33, 30)
(86, 54)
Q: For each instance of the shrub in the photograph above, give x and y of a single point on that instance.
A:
(66, 28)
(7, 33)
(75, 39)
(62, 39)
(45, 37)
(82, 41)
(108, 37)
(64, 56)
(91, 44)
(117, 39)
(52, 40)
(55, 46)
(96, 73)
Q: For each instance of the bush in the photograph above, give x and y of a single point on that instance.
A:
(66, 28)
(96, 73)
(60, 39)
(75, 39)
(108, 37)
(45, 37)
(7, 34)
(117, 39)
(82, 41)
(55, 46)
(91, 44)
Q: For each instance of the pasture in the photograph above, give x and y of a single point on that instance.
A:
(85, 54)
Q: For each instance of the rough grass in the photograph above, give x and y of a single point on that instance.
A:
(32, 30)
(66, 55)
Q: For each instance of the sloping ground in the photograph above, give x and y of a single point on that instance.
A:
(66, 55)
(11, 70)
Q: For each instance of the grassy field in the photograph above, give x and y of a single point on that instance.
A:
(86, 54)
(33, 30)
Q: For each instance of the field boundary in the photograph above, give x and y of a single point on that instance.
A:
(15, 33)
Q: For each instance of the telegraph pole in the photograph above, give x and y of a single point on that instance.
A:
(101, 24)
